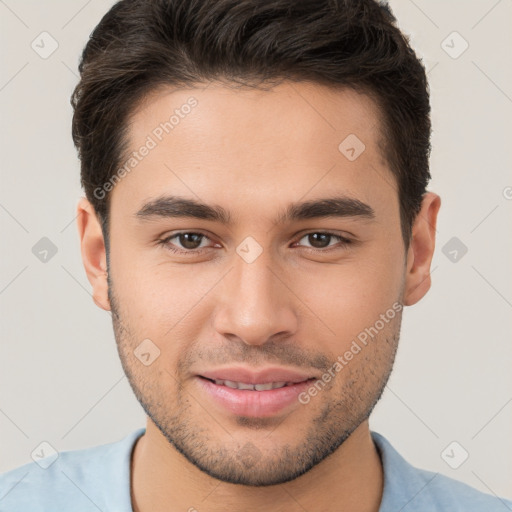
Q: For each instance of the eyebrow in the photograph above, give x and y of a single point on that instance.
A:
(174, 207)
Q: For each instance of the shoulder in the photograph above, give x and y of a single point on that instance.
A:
(408, 488)
(88, 479)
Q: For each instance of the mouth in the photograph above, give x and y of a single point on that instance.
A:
(267, 386)
(261, 400)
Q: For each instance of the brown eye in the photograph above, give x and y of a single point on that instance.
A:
(320, 240)
(185, 242)
(190, 240)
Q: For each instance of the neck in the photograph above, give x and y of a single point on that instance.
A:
(351, 478)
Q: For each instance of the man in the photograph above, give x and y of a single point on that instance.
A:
(256, 218)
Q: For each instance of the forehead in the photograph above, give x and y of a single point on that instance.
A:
(220, 142)
(302, 111)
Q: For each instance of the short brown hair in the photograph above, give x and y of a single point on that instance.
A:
(140, 45)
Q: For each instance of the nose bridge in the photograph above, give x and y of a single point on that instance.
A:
(254, 305)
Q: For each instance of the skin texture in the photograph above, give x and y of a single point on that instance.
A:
(253, 153)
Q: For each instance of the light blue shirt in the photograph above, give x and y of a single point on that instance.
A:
(98, 479)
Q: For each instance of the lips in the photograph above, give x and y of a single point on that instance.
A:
(254, 393)
(266, 376)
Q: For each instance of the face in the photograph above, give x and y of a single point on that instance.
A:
(258, 281)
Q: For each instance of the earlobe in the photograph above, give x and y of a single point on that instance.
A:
(93, 252)
(421, 250)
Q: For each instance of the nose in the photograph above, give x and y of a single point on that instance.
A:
(254, 304)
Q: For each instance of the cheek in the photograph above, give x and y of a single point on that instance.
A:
(351, 296)
(158, 299)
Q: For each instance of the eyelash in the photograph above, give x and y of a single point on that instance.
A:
(165, 242)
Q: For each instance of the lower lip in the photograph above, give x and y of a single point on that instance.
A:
(260, 404)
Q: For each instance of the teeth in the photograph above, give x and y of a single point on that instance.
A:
(243, 385)
(254, 387)
(264, 387)
(230, 384)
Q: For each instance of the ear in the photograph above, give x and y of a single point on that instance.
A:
(421, 250)
(94, 255)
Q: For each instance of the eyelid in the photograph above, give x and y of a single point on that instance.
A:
(165, 241)
(343, 240)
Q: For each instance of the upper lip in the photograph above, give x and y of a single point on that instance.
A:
(261, 376)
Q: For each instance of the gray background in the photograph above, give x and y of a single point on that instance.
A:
(60, 377)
